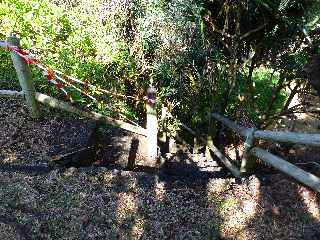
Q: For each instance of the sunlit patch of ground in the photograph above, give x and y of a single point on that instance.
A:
(311, 202)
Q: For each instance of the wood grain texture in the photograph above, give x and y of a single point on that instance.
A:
(302, 176)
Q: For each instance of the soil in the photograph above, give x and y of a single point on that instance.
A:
(194, 200)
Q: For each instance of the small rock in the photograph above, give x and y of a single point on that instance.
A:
(70, 171)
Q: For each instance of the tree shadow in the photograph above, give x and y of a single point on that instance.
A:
(173, 209)
(274, 205)
(26, 169)
(22, 230)
(287, 210)
(176, 202)
(168, 203)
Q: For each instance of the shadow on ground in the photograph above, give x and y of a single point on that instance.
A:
(109, 203)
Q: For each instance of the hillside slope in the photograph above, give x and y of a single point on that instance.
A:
(38, 202)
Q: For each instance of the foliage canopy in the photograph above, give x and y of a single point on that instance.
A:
(242, 58)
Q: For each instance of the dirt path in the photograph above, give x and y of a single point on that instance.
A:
(37, 202)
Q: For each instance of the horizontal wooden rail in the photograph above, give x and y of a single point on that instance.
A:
(11, 94)
(291, 137)
(235, 127)
(278, 136)
(55, 103)
(288, 168)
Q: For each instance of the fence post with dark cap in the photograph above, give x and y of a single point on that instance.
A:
(25, 79)
(152, 127)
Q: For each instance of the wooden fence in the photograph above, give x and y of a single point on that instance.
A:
(33, 98)
(280, 164)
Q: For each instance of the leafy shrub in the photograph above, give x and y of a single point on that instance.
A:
(127, 46)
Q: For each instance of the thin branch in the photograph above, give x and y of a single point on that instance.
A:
(307, 163)
(247, 34)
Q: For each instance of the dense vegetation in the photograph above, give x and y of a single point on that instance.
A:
(242, 58)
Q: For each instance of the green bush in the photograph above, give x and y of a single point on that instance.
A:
(70, 39)
(127, 46)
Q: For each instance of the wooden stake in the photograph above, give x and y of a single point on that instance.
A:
(196, 144)
(25, 79)
(152, 127)
(164, 136)
(209, 137)
(133, 153)
(248, 161)
(172, 143)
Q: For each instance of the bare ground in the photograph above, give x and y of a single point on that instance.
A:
(38, 202)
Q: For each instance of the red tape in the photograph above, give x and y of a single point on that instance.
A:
(12, 48)
(28, 60)
(49, 73)
(60, 85)
(23, 52)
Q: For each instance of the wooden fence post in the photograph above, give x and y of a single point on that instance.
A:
(172, 143)
(248, 160)
(152, 127)
(164, 135)
(209, 137)
(196, 143)
(25, 79)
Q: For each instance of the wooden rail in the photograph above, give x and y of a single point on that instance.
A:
(280, 136)
(290, 137)
(58, 104)
(288, 168)
(226, 162)
(235, 127)
(32, 98)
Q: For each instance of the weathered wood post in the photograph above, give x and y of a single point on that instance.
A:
(164, 136)
(25, 79)
(196, 144)
(248, 160)
(172, 143)
(152, 127)
(133, 153)
(209, 137)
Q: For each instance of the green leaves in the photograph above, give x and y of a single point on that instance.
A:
(173, 45)
(70, 39)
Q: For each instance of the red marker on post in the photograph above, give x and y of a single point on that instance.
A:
(48, 73)
(60, 85)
